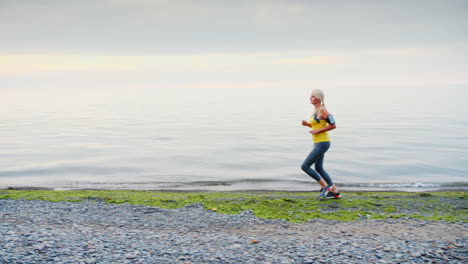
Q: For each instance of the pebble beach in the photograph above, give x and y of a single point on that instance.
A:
(36, 231)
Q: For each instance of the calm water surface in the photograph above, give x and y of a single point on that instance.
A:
(231, 139)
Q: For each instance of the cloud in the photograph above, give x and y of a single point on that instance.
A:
(20, 64)
(137, 27)
(238, 43)
(213, 62)
(315, 60)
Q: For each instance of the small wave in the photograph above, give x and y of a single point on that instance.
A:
(62, 170)
(410, 187)
(405, 185)
(247, 185)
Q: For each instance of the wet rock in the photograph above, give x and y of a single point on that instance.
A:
(96, 232)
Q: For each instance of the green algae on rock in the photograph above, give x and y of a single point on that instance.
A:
(289, 206)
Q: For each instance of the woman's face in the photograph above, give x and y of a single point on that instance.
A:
(314, 100)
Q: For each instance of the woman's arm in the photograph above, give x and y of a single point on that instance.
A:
(305, 123)
(330, 126)
(325, 129)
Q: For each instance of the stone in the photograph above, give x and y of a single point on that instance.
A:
(130, 256)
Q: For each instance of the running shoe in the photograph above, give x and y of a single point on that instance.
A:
(332, 195)
(324, 191)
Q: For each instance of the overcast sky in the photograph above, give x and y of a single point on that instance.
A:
(218, 43)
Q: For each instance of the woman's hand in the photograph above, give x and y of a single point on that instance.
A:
(314, 132)
(304, 123)
(321, 130)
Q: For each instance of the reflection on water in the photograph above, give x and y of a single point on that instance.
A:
(242, 138)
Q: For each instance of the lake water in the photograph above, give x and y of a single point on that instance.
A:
(412, 139)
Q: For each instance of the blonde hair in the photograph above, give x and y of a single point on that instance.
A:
(321, 96)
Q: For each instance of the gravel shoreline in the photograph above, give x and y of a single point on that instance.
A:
(95, 232)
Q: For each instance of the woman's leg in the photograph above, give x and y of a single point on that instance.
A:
(324, 174)
(319, 166)
(313, 156)
(321, 171)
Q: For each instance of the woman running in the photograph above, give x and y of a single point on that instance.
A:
(320, 122)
